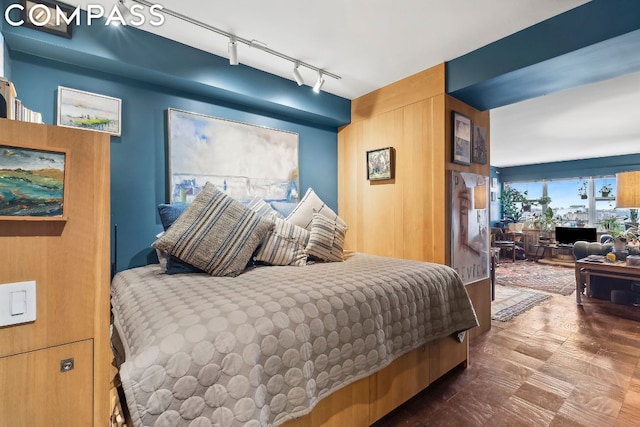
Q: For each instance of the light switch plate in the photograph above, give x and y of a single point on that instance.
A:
(19, 297)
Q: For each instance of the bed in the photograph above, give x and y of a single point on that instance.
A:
(274, 319)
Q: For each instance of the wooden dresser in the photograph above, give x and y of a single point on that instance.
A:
(69, 261)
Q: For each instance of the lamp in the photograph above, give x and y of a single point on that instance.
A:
(628, 189)
(236, 39)
(233, 52)
(297, 76)
(319, 83)
(480, 196)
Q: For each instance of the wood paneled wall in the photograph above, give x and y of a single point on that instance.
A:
(409, 216)
(69, 260)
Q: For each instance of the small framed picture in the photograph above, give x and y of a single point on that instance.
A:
(479, 152)
(33, 183)
(461, 139)
(86, 110)
(43, 16)
(381, 164)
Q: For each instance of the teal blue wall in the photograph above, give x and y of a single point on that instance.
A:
(593, 42)
(138, 157)
(151, 74)
(4, 53)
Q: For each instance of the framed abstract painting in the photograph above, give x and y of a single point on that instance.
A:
(33, 183)
(240, 159)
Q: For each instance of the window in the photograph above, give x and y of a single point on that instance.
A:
(576, 202)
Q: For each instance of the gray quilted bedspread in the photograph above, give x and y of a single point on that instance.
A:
(266, 346)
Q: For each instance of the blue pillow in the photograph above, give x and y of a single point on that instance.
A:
(168, 215)
(284, 208)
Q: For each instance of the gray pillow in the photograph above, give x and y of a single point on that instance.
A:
(284, 245)
(215, 233)
(263, 208)
(326, 240)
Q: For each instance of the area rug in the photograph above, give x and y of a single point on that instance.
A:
(511, 302)
(541, 277)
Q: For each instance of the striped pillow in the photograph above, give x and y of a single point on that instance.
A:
(215, 233)
(263, 208)
(284, 245)
(326, 240)
(302, 214)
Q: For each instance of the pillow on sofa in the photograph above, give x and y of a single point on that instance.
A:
(215, 233)
(326, 239)
(284, 245)
(302, 214)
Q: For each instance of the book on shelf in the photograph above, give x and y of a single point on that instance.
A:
(12, 108)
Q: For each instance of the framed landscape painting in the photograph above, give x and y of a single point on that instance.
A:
(240, 159)
(381, 164)
(33, 183)
(86, 110)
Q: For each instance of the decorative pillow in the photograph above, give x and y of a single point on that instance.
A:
(215, 233)
(263, 208)
(326, 240)
(283, 208)
(284, 245)
(168, 214)
(302, 214)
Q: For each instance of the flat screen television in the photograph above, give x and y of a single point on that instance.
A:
(570, 235)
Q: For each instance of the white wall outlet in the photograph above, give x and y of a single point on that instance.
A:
(17, 303)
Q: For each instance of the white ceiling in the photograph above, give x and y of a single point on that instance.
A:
(597, 120)
(372, 43)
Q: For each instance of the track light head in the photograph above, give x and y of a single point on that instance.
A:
(319, 83)
(297, 76)
(125, 12)
(233, 52)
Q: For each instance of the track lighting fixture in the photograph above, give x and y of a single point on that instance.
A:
(124, 10)
(233, 52)
(297, 76)
(319, 83)
(233, 44)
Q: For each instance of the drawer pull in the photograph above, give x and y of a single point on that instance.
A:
(66, 365)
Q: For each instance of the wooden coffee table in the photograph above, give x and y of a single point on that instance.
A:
(616, 270)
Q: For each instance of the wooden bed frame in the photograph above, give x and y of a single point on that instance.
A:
(364, 402)
(367, 400)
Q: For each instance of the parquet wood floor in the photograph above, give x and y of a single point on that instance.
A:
(558, 364)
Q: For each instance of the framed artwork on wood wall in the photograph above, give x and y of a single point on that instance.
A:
(461, 140)
(469, 226)
(479, 143)
(381, 164)
(33, 183)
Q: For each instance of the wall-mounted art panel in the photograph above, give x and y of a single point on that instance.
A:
(470, 226)
(32, 183)
(240, 159)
